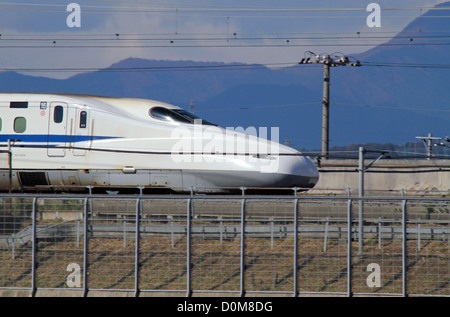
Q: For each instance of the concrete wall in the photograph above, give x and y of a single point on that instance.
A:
(418, 177)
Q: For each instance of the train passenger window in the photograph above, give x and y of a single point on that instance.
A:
(20, 125)
(58, 114)
(175, 115)
(83, 119)
(0, 124)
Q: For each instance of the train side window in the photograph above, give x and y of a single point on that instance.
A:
(0, 124)
(20, 125)
(83, 119)
(58, 114)
(18, 104)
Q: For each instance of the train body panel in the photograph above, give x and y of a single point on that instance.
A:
(77, 140)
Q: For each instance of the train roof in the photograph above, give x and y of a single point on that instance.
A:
(119, 102)
(125, 106)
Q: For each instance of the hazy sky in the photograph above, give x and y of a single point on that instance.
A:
(34, 32)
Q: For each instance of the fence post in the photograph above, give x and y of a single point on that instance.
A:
(271, 232)
(379, 232)
(404, 254)
(13, 246)
(418, 234)
(78, 233)
(349, 248)
(136, 248)
(124, 229)
(325, 236)
(33, 248)
(242, 275)
(85, 247)
(172, 238)
(188, 251)
(296, 247)
(221, 230)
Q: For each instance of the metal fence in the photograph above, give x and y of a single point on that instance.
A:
(242, 245)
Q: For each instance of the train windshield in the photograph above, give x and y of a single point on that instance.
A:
(176, 115)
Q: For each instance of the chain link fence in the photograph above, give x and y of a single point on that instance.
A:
(241, 245)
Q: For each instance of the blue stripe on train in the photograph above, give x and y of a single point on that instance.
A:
(52, 138)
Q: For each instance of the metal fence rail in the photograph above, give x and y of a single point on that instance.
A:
(286, 245)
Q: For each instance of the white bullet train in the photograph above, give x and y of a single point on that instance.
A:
(71, 142)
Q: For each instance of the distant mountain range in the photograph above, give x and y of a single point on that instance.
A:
(368, 104)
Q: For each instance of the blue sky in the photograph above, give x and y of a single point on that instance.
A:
(251, 31)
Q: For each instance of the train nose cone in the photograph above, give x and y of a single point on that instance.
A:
(296, 171)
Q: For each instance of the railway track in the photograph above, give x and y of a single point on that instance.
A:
(221, 230)
(72, 207)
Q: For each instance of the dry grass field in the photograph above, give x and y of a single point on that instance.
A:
(216, 262)
(215, 266)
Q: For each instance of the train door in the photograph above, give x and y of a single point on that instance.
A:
(82, 137)
(57, 129)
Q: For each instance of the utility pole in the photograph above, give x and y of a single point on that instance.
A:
(326, 110)
(362, 151)
(328, 61)
(192, 106)
(428, 142)
(362, 169)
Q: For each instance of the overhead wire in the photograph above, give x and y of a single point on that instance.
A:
(392, 107)
(417, 108)
(405, 65)
(56, 45)
(219, 9)
(157, 3)
(222, 37)
(210, 67)
(134, 40)
(331, 34)
(151, 68)
(230, 40)
(220, 40)
(193, 8)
